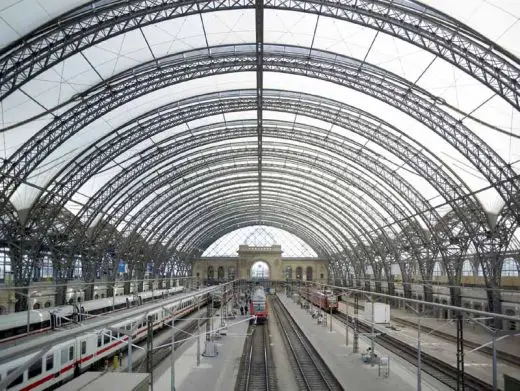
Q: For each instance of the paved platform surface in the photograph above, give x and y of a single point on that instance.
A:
(472, 331)
(347, 366)
(213, 373)
(476, 363)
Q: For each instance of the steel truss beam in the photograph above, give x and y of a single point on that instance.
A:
(464, 198)
(259, 18)
(104, 153)
(477, 225)
(170, 179)
(424, 166)
(366, 258)
(228, 190)
(370, 80)
(506, 189)
(421, 26)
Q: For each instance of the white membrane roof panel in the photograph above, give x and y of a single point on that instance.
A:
(495, 121)
(498, 20)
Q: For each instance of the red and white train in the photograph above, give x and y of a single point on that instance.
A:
(323, 298)
(70, 358)
(14, 326)
(258, 306)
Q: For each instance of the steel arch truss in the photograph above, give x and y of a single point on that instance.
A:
(187, 109)
(336, 71)
(419, 25)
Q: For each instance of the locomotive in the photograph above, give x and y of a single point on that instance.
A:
(258, 306)
(323, 298)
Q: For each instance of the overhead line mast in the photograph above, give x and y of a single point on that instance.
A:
(259, 16)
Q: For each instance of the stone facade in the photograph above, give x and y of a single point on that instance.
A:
(280, 268)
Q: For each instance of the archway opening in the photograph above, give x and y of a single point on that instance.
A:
(260, 271)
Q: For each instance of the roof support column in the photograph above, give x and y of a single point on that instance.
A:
(259, 16)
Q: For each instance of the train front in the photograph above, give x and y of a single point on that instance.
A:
(258, 306)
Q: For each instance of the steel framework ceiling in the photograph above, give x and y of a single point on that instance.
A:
(380, 132)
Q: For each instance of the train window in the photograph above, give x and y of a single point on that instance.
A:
(63, 356)
(106, 339)
(16, 381)
(35, 369)
(71, 353)
(49, 362)
(99, 341)
(83, 347)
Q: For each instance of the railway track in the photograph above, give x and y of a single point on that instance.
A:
(312, 372)
(139, 364)
(508, 358)
(440, 370)
(256, 369)
(502, 356)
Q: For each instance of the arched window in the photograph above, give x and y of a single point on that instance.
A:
(47, 304)
(3, 310)
(509, 268)
(437, 270)
(47, 270)
(299, 273)
(288, 272)
(467, 269)
(96, 297)
(36, 306)
(231, 273)
(220, 273)
(309, 273)
(78, 269)
(480, 272)
(211, 272)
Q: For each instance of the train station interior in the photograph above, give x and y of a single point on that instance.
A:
(260, 194)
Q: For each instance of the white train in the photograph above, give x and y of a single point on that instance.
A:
(14, 326)
(70, 358)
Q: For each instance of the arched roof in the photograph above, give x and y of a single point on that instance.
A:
(356, 125)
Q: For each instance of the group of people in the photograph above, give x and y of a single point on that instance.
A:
(243, 309)
(317, 315)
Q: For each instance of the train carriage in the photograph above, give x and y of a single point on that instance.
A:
(258, 306)
(71, 358)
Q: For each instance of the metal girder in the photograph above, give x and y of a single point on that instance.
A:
(419, 25)
(229, 191)
(259, 19)
(368, 185)
(203, 180)
(464, 198)
(246, 215)
(137, 194)
(136, 199)
(293, 213)
(469, 209)
(118, 186)
(276, 193)
(341, 70)
(425, 164)
(312, 193)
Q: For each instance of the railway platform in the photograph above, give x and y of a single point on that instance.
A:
(347, 366)
(435, 340)
(474, 334)
(213, 373)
